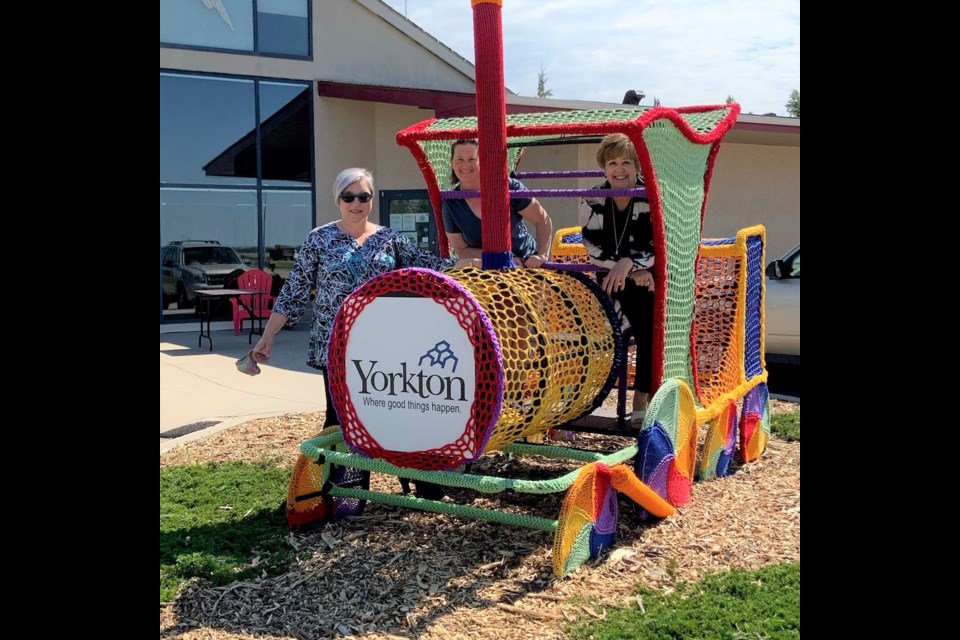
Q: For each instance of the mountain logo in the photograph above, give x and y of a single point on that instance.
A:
(440, 354)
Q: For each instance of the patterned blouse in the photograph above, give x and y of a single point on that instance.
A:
(610, 234)
(332, 261)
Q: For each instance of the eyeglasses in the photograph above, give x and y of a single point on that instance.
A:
(363, 197)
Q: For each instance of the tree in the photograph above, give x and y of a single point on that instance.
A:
(793, 104)
(542, 91)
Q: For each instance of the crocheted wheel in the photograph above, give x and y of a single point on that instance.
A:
(347, 478)
(587, 523)
(720, 443)
(308, 503)
(755, 423)
(668, 444)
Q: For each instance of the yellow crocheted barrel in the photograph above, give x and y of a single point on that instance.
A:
(557, 343)
(485, 358)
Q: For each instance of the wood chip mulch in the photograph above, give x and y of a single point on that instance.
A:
(395, 573)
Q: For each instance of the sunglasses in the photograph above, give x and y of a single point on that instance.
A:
(362, 197)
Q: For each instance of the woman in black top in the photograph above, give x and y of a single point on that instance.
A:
(618, 235)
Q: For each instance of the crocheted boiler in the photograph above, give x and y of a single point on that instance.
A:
(488, 358)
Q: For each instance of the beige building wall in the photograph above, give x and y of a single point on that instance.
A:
(350, 133)
(756, 184)
(352, 43)
(396, 168)
(563, 211)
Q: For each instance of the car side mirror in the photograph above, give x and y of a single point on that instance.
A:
(775, 269)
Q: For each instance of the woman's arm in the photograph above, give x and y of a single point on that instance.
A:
(454, 235)
(293, 297)
(591, 225)
(458, 244)
(264, 345)
(302, 280)
(410, 255)
(536, 215)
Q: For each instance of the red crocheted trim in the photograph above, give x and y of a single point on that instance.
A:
(488, 368)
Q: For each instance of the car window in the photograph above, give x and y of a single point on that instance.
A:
(210, 255)
(793, 265)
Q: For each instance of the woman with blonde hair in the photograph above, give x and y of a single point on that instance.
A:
(618, 235)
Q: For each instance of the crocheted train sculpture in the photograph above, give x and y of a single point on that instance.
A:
(494, 358)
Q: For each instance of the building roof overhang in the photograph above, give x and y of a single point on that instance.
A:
(749, 128)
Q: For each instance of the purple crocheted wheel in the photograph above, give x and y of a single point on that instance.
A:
(347, 478)
(604, 532)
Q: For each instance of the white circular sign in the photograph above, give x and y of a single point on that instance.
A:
(410, 373)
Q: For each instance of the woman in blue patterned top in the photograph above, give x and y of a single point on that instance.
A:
(461, 218)
(336, 259)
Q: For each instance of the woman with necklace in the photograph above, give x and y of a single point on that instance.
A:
(335, 259)
(618, 235)
(461, 217)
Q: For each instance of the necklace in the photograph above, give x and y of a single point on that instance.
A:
(613, 216)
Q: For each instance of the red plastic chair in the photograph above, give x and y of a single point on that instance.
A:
(259, 304)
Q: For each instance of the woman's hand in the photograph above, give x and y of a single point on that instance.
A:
(463, 263)
(643, 278)
(261, 352)
(616, 279)
(535, 261)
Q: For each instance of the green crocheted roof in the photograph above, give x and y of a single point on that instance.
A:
(701, 122)
(525, 129)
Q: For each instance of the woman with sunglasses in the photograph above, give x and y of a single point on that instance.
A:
(461, 217)
(336, 259)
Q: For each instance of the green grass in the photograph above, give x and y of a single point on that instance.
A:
(786, 425)
(738, 605)
(221, 523)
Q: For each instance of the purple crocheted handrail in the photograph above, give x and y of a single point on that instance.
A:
(640, 192)
(580, 267)
(588, 173)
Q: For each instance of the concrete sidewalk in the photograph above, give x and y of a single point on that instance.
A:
(198, 386)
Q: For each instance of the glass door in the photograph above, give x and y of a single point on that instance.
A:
(409, 212)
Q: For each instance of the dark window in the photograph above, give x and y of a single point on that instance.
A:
(285, 134)
(284, 214)
(203, 122)
(236, 181)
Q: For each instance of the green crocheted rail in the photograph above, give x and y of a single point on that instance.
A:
(449, 508)
(321, 446)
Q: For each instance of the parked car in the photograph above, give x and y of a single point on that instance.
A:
(190, 265)
(783, 308)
